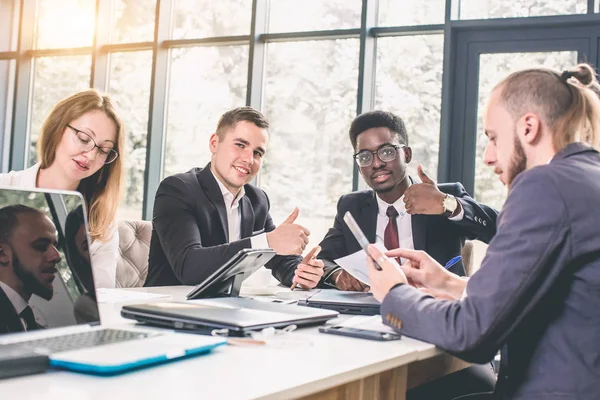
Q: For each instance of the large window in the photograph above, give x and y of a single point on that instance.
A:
(65, 23)
(205, 18)
(7, 79)
(133, 21)
(409, 84)
(310, 101)
(205, 82)
(8, 25)
(54, 78)
(473, 9)
(129, 86)
(309, 15)
(411, 12)
(175, 66)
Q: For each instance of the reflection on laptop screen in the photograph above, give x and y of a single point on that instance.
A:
(45, 270)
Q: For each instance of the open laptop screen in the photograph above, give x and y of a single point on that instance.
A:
(45, 267)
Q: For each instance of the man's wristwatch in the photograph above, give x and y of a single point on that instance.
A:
(449, 204)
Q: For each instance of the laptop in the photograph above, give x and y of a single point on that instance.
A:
(48, 242)
(358, 303)
(238, 315)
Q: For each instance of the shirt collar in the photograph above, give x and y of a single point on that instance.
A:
(382, 206)
(230, 201)
(29, 177)
(15, 298)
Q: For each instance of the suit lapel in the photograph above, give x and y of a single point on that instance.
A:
(213, 193)
(247, 217)
(10, 321)
(419, 231)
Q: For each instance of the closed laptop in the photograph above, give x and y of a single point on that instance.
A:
(358, 303)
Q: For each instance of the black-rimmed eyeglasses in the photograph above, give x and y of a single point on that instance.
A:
(387, 153)
(87, 143)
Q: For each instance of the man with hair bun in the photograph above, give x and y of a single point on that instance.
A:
(537, 294)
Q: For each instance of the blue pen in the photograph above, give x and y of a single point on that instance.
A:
(452, 261)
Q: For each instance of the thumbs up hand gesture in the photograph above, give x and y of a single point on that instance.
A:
(289, 237)
(425, 197)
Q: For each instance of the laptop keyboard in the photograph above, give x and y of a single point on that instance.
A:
(82, 340)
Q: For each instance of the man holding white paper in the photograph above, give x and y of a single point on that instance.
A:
(398, 212)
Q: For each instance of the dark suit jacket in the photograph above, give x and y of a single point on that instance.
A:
(437, 235)
(537, 292)
(190, 233)
(9, 319)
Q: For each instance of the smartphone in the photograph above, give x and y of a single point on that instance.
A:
(359, 333)
(359, 235)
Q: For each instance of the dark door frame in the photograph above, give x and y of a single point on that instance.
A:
(465, 42)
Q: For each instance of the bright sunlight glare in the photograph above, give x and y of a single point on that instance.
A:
(63, 24)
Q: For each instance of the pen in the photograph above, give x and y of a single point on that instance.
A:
(308, 258)
(452, 262)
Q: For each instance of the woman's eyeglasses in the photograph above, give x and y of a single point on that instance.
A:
(87, 143)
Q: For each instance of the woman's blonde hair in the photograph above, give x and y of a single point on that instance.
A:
(101, 191)
(567, 102)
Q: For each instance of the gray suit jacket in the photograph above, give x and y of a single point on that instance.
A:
(537, 292)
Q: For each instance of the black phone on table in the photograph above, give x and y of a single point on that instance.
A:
(359, 333)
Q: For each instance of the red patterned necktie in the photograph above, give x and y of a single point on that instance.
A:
(390, 236)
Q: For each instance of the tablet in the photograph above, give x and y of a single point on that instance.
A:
(227, 280)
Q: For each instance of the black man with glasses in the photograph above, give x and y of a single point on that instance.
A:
(400, 213)
(396, 211)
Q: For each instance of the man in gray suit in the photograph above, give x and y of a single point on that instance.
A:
(537, 294)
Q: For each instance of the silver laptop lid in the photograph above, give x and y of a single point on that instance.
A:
(44, 260)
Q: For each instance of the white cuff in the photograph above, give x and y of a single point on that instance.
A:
(460, 215)
(260, 241)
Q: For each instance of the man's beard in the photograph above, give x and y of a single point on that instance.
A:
(30, 282)
(384, 189)
(518, 162)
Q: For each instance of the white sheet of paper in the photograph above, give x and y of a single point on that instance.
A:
(105, 295)
(356, 264)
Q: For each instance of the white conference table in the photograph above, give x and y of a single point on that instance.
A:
(305, 364)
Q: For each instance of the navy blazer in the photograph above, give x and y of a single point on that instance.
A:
(10, 322)
(538, 290)
(190, 232)
(439, 236)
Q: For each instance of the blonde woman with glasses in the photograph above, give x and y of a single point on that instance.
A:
(80, 148)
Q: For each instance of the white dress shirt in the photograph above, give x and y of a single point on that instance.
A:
(17, 301)
(103, 255)
(403, 221)
(234, 217)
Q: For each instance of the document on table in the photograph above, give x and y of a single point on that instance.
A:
(356, 264)
(105, 295)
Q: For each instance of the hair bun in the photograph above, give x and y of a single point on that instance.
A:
(584, 73)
